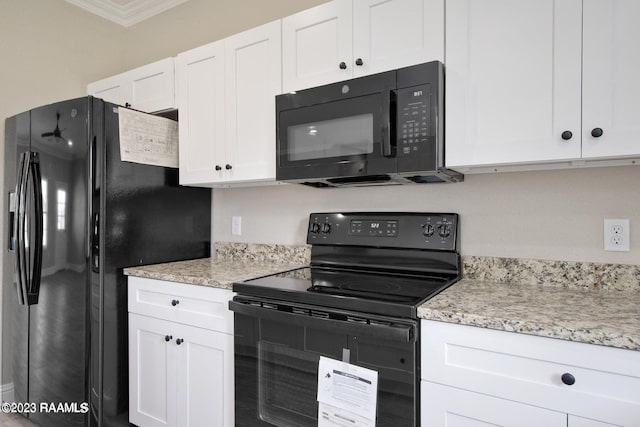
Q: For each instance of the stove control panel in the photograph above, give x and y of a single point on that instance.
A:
(408, 230)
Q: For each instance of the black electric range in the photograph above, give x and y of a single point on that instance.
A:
(356, 302)
(379, 263)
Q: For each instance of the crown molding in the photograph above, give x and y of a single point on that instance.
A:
(126, 12)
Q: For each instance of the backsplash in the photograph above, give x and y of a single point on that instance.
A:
(260, 252)
(565, 274)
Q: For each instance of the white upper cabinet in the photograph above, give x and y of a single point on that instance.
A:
(512, 81)
(389, 34)
(226, 108)
(201, 107)
(149, 88)
(535, 83)
(112, 89)
(611, 88)
(253, 78)
(343, 39)
(317, 46)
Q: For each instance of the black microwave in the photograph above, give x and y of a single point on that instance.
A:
(386, 128)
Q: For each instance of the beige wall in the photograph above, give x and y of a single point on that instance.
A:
(545, 215)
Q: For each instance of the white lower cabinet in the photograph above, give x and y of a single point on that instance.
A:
(179, 374)
(454, 407)
(473, 376)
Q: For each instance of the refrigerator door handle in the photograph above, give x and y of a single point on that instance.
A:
(20, 231)
(36, 266)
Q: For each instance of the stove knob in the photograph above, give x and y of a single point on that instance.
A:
(444, 230)
(326, 228)
(428, 230)
(315, 228)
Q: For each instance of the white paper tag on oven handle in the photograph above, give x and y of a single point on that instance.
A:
(349, 388)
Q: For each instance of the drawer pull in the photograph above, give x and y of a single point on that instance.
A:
(568, 379)
(174, 302)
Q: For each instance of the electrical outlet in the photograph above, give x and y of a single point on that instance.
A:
(616, 235)
(236, 225)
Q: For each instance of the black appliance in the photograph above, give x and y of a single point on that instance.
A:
(385, 128)
(75, 216)
(369, 273)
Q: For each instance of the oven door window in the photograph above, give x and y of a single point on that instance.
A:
(287, 386)
(288, 357)
(339, 131)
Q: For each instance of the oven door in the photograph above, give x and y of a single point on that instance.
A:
(278, 347)
(335, 131)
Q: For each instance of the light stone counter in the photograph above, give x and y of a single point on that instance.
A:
(584, 302)
(233, 263)
(218, 273)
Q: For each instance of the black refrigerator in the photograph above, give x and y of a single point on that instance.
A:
(75, 215)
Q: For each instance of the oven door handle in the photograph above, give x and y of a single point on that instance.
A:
(393, 332)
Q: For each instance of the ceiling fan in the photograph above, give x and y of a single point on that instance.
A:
(57, 133)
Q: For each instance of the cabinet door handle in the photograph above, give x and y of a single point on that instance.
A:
(218, 167)
(175, 302)
(568, 379)
(597, 132)
(179, 341)
(359, 62)
(168, 338)
(343, 66)
(126, 104)
(227, 166)
(567, 135)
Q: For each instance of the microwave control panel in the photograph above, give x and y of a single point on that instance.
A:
(413, 120)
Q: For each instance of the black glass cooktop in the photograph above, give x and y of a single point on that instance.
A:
(364, 291)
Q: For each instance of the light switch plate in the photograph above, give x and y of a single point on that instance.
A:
(236, 225)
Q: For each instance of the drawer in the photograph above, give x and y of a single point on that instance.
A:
(194, 305)
(449, 406)
(529, 369)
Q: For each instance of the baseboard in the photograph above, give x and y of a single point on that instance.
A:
(7, 392)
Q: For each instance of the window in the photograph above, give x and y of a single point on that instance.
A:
(62, 206)
(45, 210)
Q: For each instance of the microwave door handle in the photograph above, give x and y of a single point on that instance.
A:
(387, 126)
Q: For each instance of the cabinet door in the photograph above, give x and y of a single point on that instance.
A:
(205, 378)
(513, 81)
(314, 44)
(389, 34)
(153, 86)
(152, 379)
(453, 407)
(112, 89)
(611, 88)
(574, 421)
(253, 79)
(201, 111)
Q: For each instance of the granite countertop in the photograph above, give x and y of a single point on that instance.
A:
(604, 309)
(576, 301)
(218, 273)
